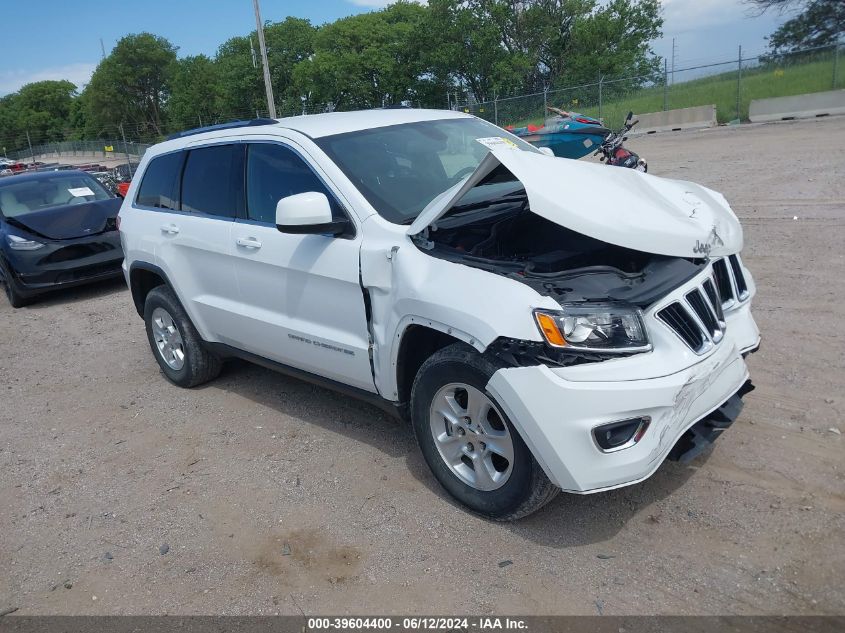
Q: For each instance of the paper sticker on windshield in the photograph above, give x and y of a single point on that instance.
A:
(497, 142)
(79, 192)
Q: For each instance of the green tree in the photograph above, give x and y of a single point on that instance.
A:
(241, 87)
(241, 82)
(517, 46)
(821, 23)
(130, 87)
(614, 41)
(43, 109)
(366, 60)
(288, 43)
(193, 97)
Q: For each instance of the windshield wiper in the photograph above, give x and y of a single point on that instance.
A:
(473, 206)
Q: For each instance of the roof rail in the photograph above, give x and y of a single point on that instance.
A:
(222, 126)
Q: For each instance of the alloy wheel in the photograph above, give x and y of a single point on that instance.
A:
(168, 340)
(471, 436)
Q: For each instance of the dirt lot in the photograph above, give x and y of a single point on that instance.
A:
(104, 465)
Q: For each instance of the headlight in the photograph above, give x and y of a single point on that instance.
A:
(604, 327)
(22, 244)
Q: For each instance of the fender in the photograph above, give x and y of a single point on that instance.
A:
(135, 289)
(409, 287)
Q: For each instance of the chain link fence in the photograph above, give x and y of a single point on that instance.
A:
(729, 84)
(128, 142)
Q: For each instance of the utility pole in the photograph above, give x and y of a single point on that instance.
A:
(103, 48)
(31, 153)
(601, 81)
(259, 25)
(738, 81)
(665, 84)
(673, 61)
(126, 151)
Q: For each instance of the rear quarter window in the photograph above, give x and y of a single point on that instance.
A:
(160, 182)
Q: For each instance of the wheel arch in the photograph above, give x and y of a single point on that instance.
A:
(143, 277)
(418, 340)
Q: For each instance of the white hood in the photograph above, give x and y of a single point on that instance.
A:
(615, 205)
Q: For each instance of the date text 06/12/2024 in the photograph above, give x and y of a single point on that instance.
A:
(417, 624)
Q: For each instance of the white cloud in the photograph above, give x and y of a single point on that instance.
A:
(684, 15)
(79, 74)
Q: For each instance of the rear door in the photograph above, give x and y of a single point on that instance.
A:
(302, 300)
(194, 248)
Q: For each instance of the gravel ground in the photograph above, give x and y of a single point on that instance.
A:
(261, 494)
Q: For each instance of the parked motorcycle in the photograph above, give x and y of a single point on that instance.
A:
(617, 156)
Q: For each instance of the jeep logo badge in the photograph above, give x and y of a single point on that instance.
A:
(704, 248)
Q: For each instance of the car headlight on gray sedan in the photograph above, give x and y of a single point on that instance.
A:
(594, 327)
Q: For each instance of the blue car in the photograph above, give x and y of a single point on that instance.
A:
(567, 134)
(57, 229)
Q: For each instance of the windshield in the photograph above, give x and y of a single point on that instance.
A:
(48, 190)
(401, 168)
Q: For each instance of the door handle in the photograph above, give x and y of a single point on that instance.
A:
(248, 242)
(170, 229)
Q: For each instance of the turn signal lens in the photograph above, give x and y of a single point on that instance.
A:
(549, 329)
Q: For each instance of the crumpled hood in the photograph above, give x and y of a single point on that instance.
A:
(72, 221)
(619, 206)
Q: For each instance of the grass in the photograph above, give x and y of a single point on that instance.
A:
(770, 80)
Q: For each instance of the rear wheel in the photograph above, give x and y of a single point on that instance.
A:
(468, 442)
(175, 342)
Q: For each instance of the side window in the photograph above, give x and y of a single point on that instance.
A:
(160, 185)
(212, 182)
(274, 172)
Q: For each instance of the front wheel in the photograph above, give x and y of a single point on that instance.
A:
(468, 442)
(13, 294)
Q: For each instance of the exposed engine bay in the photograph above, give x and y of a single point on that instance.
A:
(506, 238)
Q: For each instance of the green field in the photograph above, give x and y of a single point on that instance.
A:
(760, 82)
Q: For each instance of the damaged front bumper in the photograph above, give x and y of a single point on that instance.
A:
(66, 263)
(556, 410)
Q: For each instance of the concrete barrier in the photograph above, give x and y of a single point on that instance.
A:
(797, 107)
(680, 119)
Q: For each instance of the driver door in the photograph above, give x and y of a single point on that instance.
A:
(301, 296)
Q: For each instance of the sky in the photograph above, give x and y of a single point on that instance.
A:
(58, 39)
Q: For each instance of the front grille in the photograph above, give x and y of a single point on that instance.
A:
(715, 301)
(705, 313)
(730, 280)
(680, 320)
(78, 274)
(698, 319)
(739, 277)
(723, 281)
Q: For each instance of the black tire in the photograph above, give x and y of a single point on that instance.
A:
(526, 490)
(200, 364)
(13, 294)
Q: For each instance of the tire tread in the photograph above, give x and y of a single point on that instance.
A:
(541, 489)
(202, 364)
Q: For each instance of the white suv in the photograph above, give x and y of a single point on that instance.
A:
(544, 323)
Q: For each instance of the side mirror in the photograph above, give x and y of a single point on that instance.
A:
(630, 116)
(308, 213)
(546, 150)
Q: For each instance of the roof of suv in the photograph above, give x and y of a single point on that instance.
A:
(318, 125)
(312, 125)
